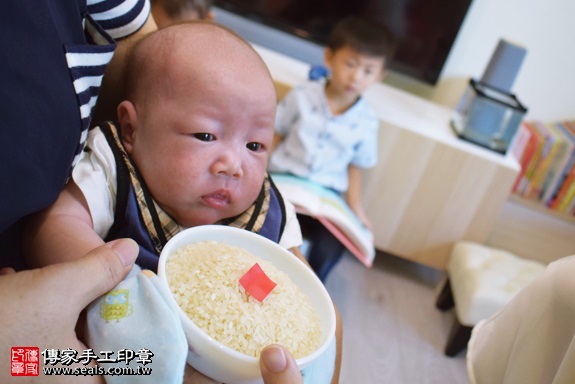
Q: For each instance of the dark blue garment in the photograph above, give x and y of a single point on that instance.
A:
(37, 91)
(128, 221)
(40, 124)
(325, 249)
(53, 54)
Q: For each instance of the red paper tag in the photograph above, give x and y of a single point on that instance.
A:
(257, 283)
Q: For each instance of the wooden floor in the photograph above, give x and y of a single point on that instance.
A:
(392, 331)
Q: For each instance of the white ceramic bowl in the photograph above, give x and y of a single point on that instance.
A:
(218, 361)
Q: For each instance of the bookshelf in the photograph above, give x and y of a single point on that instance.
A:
(532, 224)
(532, 231)
(546, 152)
(540, 207)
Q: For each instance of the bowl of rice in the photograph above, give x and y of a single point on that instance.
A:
(217, 274)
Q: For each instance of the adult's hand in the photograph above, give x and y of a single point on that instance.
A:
(40, 307)
(278, 366)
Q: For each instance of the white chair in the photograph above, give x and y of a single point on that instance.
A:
(480, 281)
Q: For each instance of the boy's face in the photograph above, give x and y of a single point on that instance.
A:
(353, 72)
(202, 148)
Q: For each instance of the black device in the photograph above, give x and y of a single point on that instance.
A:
(425, 29)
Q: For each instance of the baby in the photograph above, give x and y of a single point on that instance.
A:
(190, 148)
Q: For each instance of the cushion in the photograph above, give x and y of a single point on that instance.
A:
(484, 279)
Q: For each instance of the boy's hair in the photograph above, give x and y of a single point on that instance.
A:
(174, 8)
(366, 36)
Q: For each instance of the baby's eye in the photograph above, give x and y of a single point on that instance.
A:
(253, 146)
(204, 136)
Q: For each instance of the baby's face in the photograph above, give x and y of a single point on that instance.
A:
(203, 150)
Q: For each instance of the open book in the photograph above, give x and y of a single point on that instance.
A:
(331, 210)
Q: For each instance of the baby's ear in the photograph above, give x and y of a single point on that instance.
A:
(128, 119)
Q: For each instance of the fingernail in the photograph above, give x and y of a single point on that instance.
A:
(127, 251)
(274, 358)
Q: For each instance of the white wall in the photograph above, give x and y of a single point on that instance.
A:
(546, 81)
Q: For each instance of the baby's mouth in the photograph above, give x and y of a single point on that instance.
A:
(218, 199)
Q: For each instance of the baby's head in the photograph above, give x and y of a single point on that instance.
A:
(198, 120)
(168, 12)
(356, 55)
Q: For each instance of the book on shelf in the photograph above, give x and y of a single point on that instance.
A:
(563, 162)
(519, 142)
(567, 193)
(546, 152)
(535, 147)
(544, 162)
(328, 207)
(559, 201)
(571, 206)
(550, 170)
(570, 209)
(522, 148)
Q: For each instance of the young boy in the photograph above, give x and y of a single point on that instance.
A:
(327, 133)
(168, 12)
(190, 148)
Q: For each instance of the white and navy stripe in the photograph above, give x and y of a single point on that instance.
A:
(120, 18)
(106, 20)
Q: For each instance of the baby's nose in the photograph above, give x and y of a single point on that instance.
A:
(229, 163)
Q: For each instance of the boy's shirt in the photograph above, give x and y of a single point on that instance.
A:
(96, 177)
(318, 145)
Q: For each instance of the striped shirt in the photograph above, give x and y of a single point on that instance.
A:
(54, 56)
(105, 21)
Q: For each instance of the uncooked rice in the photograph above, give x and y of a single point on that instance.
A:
(204, 278)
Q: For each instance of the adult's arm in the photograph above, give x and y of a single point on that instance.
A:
(338, 328)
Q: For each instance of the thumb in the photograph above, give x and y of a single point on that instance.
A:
(101, 269)
(278, 366)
